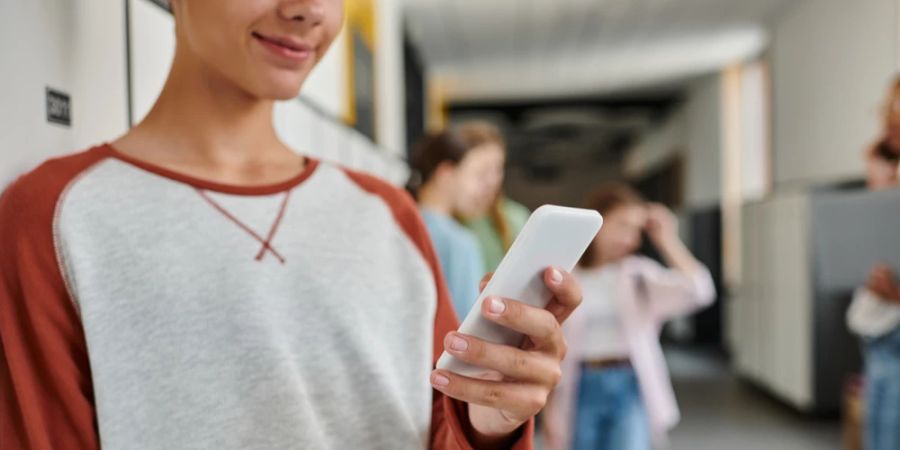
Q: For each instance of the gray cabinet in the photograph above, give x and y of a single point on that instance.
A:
(803, 256)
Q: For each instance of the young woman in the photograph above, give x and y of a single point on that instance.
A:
(883, 157)
(498, 220)
(450, 183)
(616, 393)
(875, 316)
(196, 284)
(875, 312)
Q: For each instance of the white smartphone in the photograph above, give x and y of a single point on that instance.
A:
(554, 236)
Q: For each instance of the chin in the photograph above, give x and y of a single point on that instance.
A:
(280, 88)
(466, 215)
(279, 92)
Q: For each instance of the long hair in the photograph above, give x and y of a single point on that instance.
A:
(475, 134)
(604, 199)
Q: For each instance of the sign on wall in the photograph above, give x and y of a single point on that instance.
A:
(59, 107)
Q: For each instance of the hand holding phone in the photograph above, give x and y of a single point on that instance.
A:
(554, 236)
(505, 359)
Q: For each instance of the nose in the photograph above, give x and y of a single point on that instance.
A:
(307, 12)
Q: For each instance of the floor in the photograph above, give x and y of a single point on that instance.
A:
(721, 413)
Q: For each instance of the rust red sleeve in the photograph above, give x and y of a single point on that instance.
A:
(46, 396)
(449, 418)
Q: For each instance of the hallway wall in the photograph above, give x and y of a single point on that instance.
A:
(831, 63)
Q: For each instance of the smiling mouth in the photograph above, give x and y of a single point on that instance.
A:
(285, 46)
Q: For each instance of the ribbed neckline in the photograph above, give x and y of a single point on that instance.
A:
(207, 185)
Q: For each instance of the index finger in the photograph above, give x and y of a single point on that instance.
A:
(566, 293)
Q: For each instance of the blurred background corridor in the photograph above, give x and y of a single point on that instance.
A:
(754, 121)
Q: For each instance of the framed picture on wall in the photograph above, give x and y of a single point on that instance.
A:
(360, 29)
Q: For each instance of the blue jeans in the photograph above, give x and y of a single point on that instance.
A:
(883, 392)
(610, 414)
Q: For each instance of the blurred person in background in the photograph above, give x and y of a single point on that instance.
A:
(498, 219)
(616, 393)
(874, 314)
(447, 181)
(883, 157)
(198, 284)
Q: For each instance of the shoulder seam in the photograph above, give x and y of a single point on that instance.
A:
(393, 210)
(62, 260)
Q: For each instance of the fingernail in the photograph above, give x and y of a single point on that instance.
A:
(459, 344)
(497, 306)
(440, 380)
(556, 276)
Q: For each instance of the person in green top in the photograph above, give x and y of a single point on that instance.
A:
(501, 219)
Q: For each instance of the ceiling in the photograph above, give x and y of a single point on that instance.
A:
(515, 49)
(548, 139)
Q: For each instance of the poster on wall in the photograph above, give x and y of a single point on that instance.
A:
(360, 28)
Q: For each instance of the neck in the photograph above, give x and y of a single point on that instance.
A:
(207, 119)
(432, 197)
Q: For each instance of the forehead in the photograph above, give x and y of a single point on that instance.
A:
(630, 213)
(488, 153)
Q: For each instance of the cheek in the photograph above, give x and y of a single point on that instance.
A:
(634, 241)
(473, 189)
(607, 242)
(331, 26)
(496, 177)
(219, 35)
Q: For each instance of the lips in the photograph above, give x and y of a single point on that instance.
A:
(287, 49)
(286, 42)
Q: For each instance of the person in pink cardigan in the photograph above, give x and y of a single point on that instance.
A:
(615, 392)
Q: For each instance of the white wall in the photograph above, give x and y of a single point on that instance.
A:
(99, 58)
(704, 143)
(326, 86)
(152, 50)
(755, 129)
(831, 62)
(389, 78)
(76, 47)
(694, 131)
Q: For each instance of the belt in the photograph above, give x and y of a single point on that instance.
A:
(600, 364)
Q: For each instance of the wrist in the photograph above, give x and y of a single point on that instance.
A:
(491, 434)
(491, 441)
(664, 241)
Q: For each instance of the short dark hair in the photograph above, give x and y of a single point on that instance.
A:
(433, 150)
